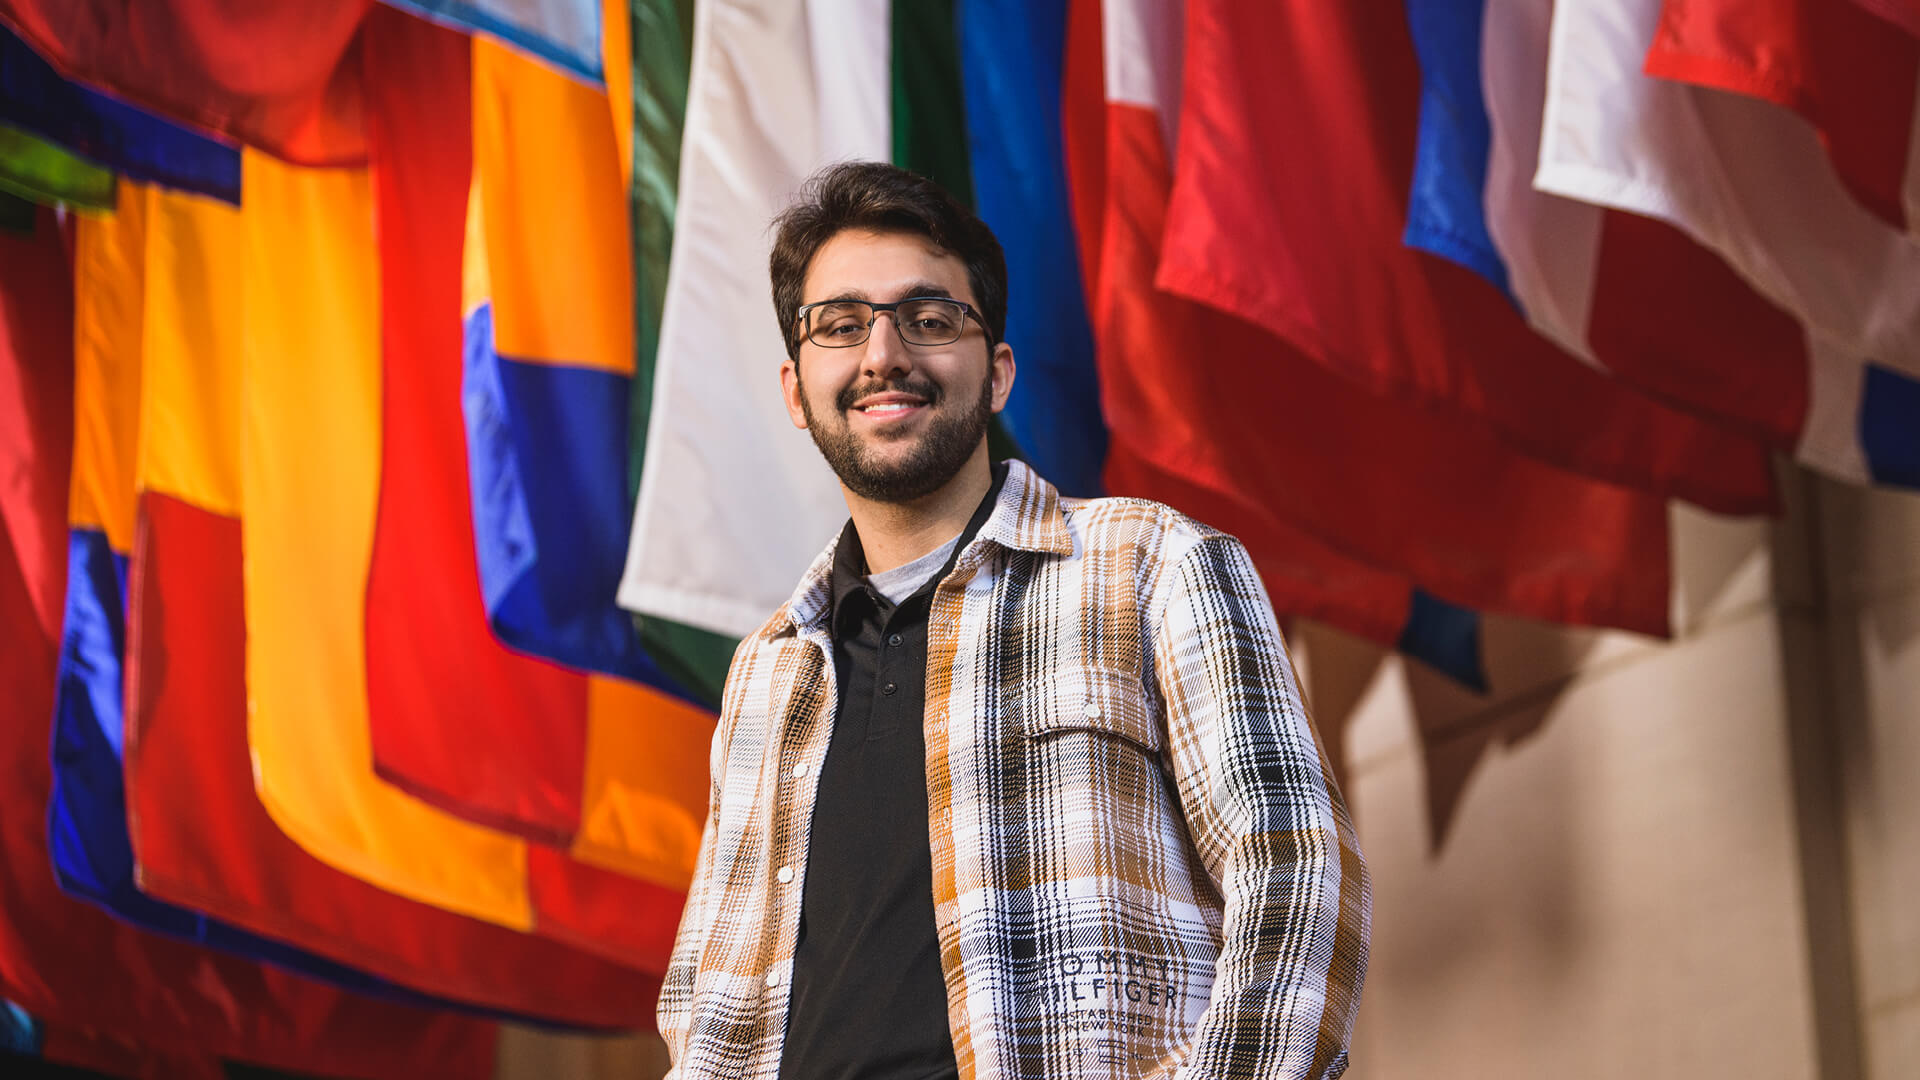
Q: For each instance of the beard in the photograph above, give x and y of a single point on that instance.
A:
(948, 442)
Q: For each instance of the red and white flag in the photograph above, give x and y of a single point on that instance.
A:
(1752, 183)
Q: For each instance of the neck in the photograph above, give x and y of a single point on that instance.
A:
(895, 534)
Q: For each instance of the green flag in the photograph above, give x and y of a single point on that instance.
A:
(662, 43)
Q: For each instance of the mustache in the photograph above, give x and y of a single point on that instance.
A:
(920, 388)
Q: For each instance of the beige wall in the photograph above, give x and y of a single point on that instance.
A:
(1698, 858)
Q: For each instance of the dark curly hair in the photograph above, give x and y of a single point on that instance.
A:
(885, 199)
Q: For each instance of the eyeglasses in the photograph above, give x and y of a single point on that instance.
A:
(920, 320)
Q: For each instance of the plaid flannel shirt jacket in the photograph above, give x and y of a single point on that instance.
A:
(1141, 866)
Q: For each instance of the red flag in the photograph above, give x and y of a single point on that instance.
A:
(1832, 63)
(1674, 320)
(1234, 408)
(284, 77)
(1303, 575)
(1297, 133)
(432, 661)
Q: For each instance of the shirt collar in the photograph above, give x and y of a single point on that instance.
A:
(1025, 515)
(849, 568)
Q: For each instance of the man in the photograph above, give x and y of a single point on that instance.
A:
(1014, 784)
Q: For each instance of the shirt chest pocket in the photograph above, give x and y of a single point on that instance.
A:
(1095, 701)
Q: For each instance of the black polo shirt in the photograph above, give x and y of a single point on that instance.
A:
(869, 999)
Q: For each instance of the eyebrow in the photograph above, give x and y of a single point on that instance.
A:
(918, 288)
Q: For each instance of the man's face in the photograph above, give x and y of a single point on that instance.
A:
(894, 421)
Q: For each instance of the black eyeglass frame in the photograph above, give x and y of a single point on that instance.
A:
(967, 311)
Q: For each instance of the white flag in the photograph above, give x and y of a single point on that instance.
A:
(734, 502)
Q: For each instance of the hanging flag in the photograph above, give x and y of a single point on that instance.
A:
(448, 704)
(1315, 254)
(1444, 212)
(47, 173)
(776, 92)
(1303, 575)
(560, 344)
(549, 362)
(661, 55)
(1771, 206)
(1011, 53)
(283, 77)
(109, 289)
(309, 493)
(222, 854)
(1833, 63)
(69, 963)
(1497, 530)
(88, 813)
(1627, 294)
(457, 720)
(310, 475)
(564, 33)
(201, 837)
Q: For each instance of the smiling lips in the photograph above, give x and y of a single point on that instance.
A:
(885, 406)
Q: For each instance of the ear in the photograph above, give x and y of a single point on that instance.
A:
(1001, 370)
(790, 390)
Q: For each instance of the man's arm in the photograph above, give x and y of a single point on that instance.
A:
(674, 1013)
(1269, 823)
(675, 1010)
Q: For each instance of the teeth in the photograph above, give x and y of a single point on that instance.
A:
(890, 407)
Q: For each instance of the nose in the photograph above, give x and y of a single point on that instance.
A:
(887, 355)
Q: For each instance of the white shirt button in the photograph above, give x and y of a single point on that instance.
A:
(773, 978)
(785, 874)
(800, 769)
(1092, 711)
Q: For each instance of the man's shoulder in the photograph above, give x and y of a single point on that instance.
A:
(1150, 530)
